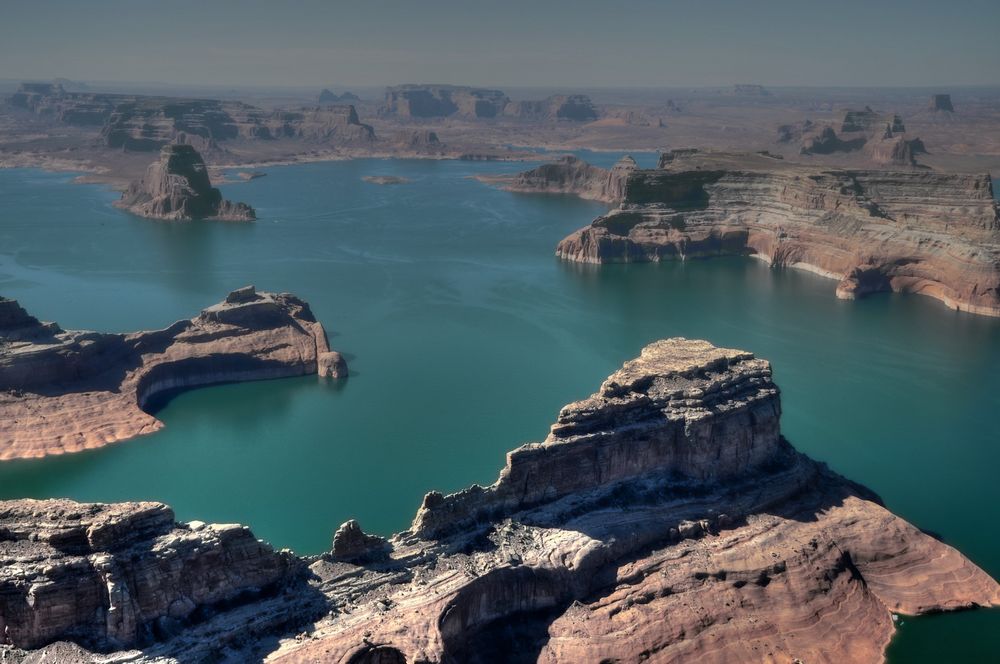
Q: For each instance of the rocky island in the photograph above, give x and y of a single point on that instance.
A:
(570, 175)
(664, 516)
(922, 232)
(177, 187)
(68, 390)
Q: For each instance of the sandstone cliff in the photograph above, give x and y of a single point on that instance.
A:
(66, 391)
(663, 518)
(177, 187)
(907, 231)
(571, 175)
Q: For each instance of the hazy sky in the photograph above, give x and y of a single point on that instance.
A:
(505, 42)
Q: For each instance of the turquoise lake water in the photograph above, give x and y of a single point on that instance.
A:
(465, 336)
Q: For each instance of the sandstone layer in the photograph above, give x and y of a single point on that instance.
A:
(571, 175)
(66, 390)
(912, 231)
(578, 108)
(664, 518)
(177, 187)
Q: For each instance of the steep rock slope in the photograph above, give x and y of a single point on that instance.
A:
(908, 231)
(66, 391)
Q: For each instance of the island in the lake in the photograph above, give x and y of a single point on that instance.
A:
(385, 179)
(664, 515)
(70, 390)
(177, 187)
(873, 230)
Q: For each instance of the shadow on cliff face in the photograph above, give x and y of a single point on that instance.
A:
(503, 616)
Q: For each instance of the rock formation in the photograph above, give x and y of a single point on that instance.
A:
(66, 391)
(119, 576)
(939, 103)
(177, 187)
(571, 175)
(557, 107)
(436, 101)
(145, 123)
(894, 149)
(863, 120)
(907, 231)
(423, 141)
(824, 140)
(327, 97)
(664, 517)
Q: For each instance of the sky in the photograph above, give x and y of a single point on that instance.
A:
(605, 43)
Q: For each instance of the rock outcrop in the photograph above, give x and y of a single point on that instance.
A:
(114, 577)
(422, 141)
(894, 149)
(578, 108)
(437, 101)
(177, 187)
(571, 175)
(327, 97)
(941, 103)
(824, 140)
(907, 231)
(65, 391)
(664, 517)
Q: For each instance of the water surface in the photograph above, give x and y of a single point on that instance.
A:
(465, 336)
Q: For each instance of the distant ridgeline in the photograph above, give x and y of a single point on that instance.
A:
(147, 123)
(436, 101)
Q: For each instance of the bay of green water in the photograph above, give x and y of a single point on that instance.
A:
(465, 336)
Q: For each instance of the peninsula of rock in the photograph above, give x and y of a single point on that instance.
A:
(911, 231)
(68, 390)
(177, 187)
(664, 517)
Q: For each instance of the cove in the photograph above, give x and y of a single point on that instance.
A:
(465, 337)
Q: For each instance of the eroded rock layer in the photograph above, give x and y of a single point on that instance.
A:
(664, 518)
(65, 391)
(177, 187)
(908, 231)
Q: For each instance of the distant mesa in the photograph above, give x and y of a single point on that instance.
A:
(177, 187)
(139, 123)
(557, 107)
(895, 149)
(941, 103)
(439, 101)
(750, 90)
(862, 120)
(327, 97)
(826, 141)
